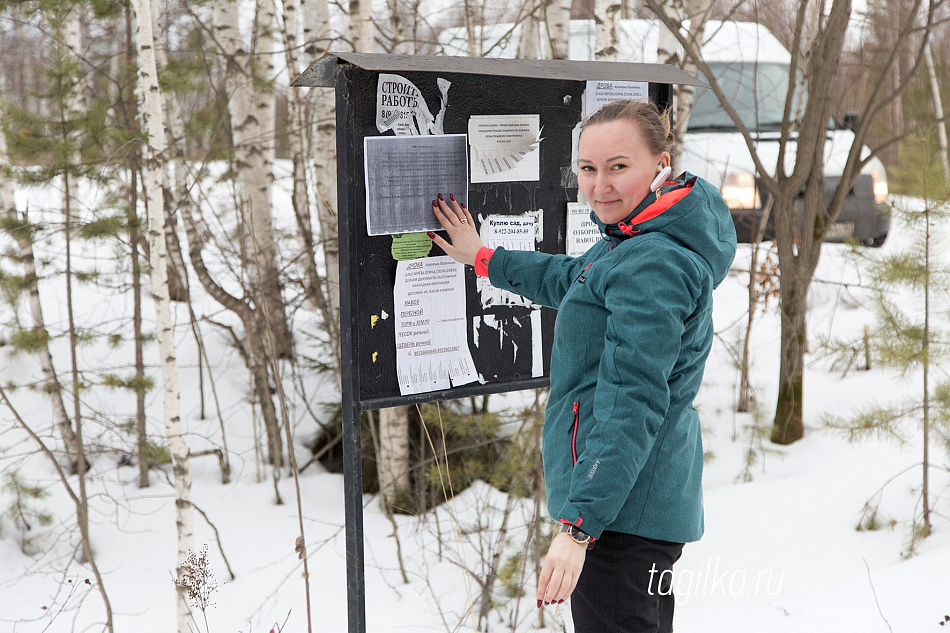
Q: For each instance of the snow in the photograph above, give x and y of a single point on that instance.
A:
(781, 552)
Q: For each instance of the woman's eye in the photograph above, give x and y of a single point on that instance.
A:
(587, 168)
(618, 166)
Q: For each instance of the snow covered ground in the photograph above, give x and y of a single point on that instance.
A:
(780, 554)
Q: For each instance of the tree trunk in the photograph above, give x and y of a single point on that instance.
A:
(135, 240)
(607, 34)
(153, 124)
(393, 463)
(77, 102)
(256, 357)
(669, 52)
(530, 33)
(938, 111)
(799, 250)
(300, 140)
(557, 15)
(361, 29)
(316, 43)
(250, 108)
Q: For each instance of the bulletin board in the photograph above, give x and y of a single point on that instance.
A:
(508, 341)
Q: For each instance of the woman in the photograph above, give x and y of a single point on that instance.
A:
(622, 449)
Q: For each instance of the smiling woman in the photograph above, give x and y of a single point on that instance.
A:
(622, 450)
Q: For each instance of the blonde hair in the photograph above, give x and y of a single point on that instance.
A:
(654, 125)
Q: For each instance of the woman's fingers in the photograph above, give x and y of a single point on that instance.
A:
(464, 242)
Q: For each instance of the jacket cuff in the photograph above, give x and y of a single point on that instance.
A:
(586, 524)
(482, 259)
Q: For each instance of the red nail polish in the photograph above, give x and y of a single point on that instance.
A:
(452, 197)
(560, 601)
(539, 604)
(440, 197)
(462, 204)
(430, 234)
(433, 204)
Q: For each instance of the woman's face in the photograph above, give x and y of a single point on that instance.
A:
(615, 168)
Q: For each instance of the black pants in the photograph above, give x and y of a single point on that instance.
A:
(623, 587)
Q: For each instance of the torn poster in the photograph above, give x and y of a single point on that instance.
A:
(505, 147)
(512, 232)
(431, 334)
(600, 93)
(403, 176)
(509, 341)
(582, 232)
(400, 107)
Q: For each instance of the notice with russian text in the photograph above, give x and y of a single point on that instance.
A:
(431, 335)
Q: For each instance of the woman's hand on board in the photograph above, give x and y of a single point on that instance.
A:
(458, 223)
(562, 567)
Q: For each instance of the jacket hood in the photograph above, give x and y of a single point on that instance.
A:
(690, 211)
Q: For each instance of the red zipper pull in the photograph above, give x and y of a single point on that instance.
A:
(576, 404)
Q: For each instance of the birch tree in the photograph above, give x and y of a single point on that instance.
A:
(300, 134)
(607, 14)
(317, 40)
(938, 110)
(250, 108)
(695, 13)
(153, 126)
(557, 17)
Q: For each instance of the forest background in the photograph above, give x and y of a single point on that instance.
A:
(167, 204)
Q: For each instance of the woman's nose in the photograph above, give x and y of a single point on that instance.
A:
(601, 183)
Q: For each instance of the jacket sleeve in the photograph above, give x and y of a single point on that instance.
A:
(649, 298)
(543, 278)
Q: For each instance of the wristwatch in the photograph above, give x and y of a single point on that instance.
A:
(578, 536)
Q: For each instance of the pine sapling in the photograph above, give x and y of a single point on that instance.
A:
(907, 340)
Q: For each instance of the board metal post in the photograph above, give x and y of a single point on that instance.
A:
(349, 374)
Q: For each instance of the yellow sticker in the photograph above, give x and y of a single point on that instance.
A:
(375, 354)
(372, 321)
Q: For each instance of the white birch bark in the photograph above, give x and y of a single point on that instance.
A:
(607, 32)
(77, 102)
(153, 125)
(528, 47)
(361, 29)
(938, 110)
(175, 177)
(317, 41)
(669, 51)
(251, 111)
(557, 15)
(300, 140)
(393, 464)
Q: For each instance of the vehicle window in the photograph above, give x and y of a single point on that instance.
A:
(757, 91)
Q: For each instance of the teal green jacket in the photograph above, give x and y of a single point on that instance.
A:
(621, 444)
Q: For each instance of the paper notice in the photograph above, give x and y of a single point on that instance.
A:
(582, 232)
(431, 336)
(505, 148)
(600, 93)
(404, 174)
(400, 107)
(514, 233)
